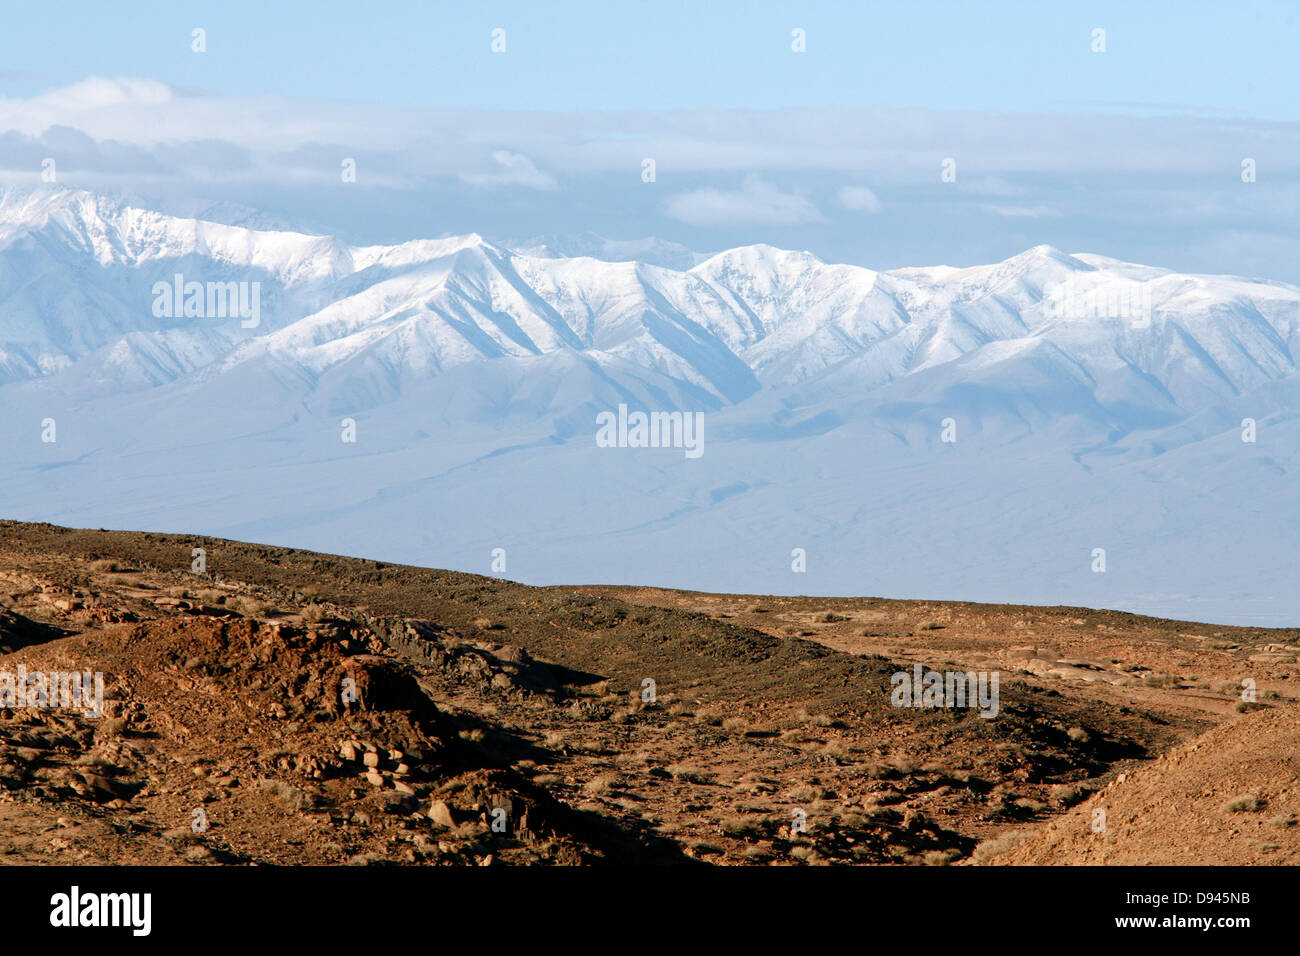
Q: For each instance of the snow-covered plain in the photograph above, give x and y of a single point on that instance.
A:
(1094, 404)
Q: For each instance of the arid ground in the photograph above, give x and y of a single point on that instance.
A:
(287, 707)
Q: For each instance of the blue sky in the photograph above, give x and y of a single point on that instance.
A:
(673, 54)
(1136, 152)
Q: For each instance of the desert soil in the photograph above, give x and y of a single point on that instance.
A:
(287, 707)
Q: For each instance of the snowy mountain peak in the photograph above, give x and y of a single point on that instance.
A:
(380, 321)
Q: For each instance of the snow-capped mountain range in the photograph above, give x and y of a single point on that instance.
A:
(943, 432)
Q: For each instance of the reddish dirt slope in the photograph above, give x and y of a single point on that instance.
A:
(1230, 796)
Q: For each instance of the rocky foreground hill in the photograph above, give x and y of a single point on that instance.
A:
(279, 706)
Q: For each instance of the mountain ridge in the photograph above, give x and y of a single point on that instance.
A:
(788, 317)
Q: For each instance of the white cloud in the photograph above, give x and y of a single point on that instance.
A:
(1014, 154)
(859, 199)
(98, 92)
(516, 169)
(1020, 212)
(755, 203)
(146, 112)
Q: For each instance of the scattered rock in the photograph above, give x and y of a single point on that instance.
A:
(441, 814)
